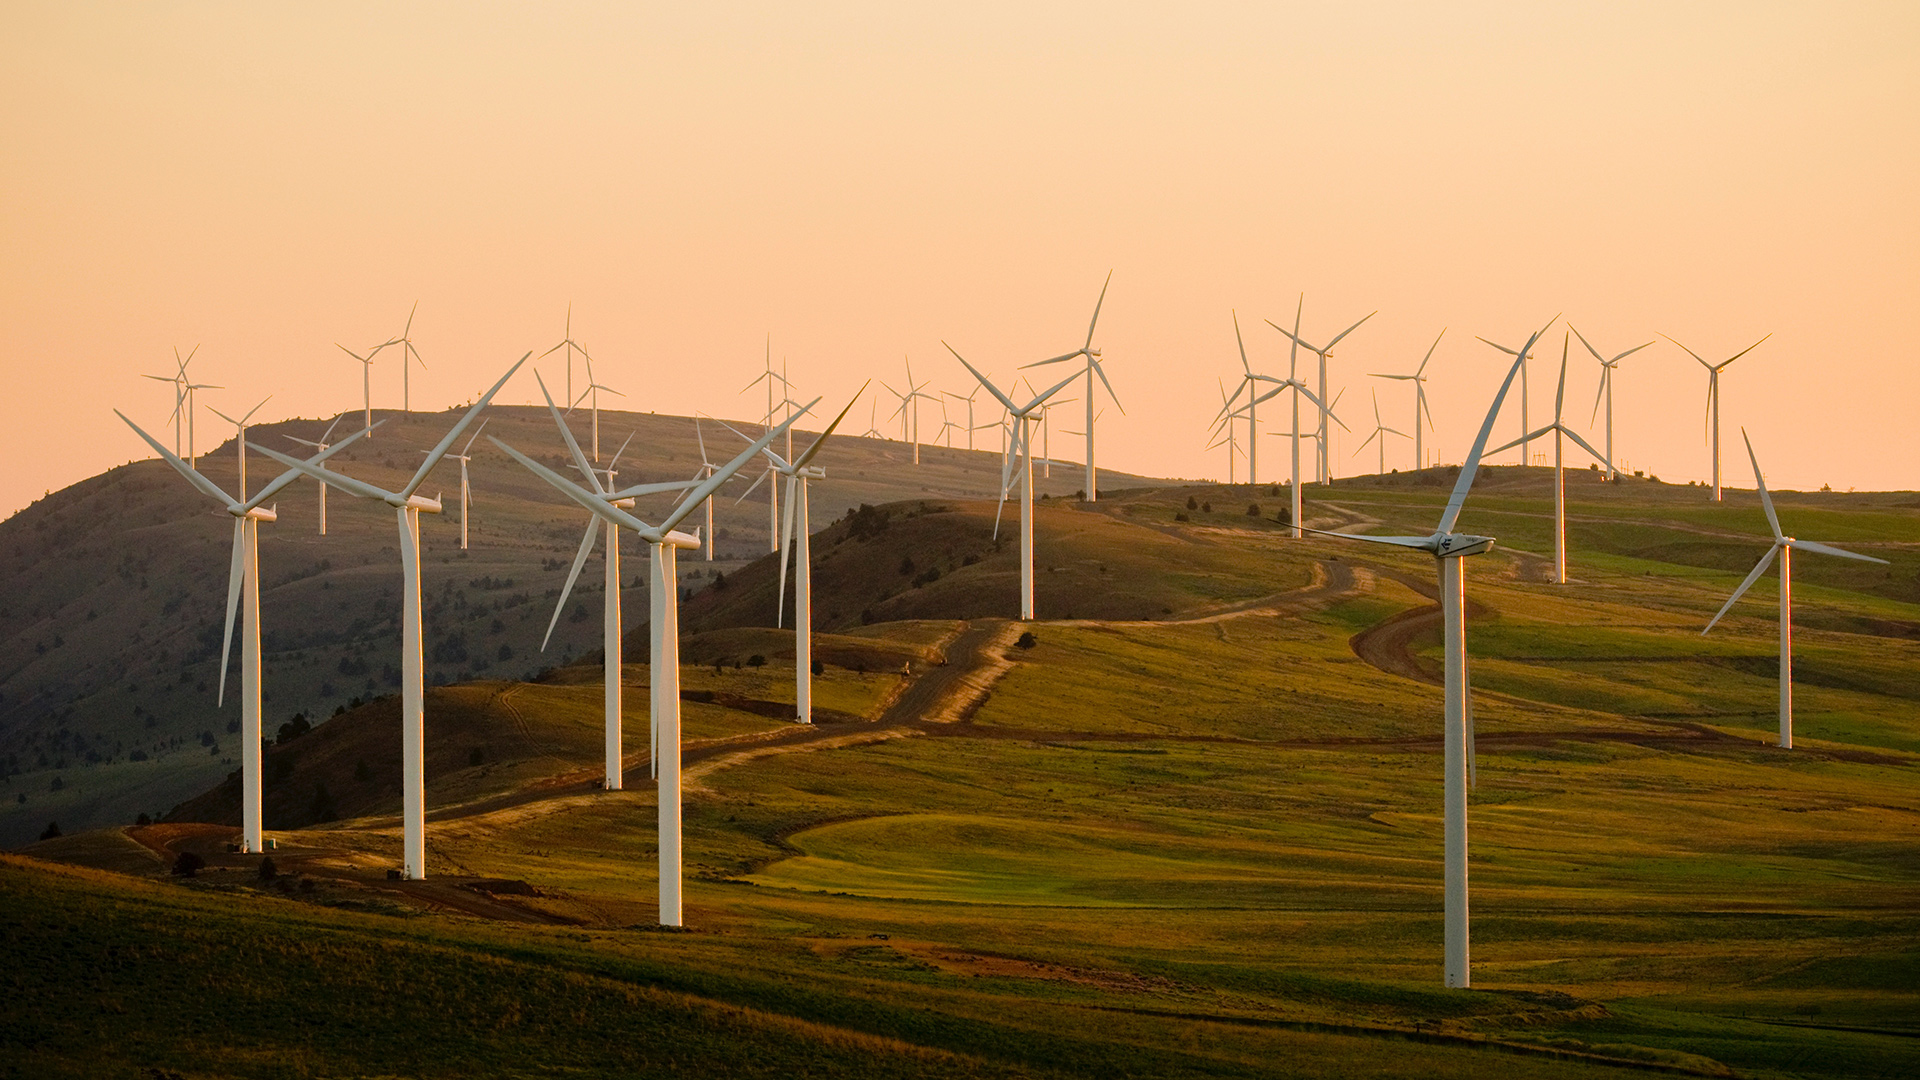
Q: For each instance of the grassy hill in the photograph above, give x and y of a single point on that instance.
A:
(112, 593)
(1192, 831)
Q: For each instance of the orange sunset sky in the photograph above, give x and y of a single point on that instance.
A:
(865, 180)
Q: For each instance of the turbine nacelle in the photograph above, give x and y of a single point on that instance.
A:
(1460, 545)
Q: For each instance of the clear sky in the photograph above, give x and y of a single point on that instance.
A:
(864, 180)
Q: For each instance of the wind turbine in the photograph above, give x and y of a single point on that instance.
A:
(1524, 442)
(1291, 382)
(567, 343)
(179, 381)
(664, 594)
(1323, 352)
(408, 505)
(1713, 400)
(466, 490)
(1420, 409)
(243, 597)
(769, 376)
(1046, 431)
(873, 428)
(408, 354)
(1449, 549)
(1224, 433)
(1380, 431)
(322, 445)
(1021, 446)
(908, 412)
(240, 437)
(366, 384)
(593, 390)
(706, 466)
(1606, 388)
(1093, 368)
(612, 633)
(1559, 430)
(969, 399)
(797, 545)
(1783, 546)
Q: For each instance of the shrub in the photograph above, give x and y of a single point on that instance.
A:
(188, 864)
(1181, 517)
(1253, 509)
(1026, 640)
(51, 832)
(268, 871)
(1206, 507)
(819, 668)
(1193, 503)
(906, 565)
(143, 819)
(756, 660)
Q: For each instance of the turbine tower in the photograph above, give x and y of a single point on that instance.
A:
(1784, 547)
(1713, 400)
(240, 438)
(1420, 410)
(1524, 442)
(322, 445)
(1022, 447)
(408, 505)
(243, 596)
(1323, 352)
(1606, 389)
(769, 376)
(1249, 381)
(1291, 382)
(1449, 549)
(663, 592)
(1093, 368)
(908, 412)
(969, 399)
(593, 390)
(1560, 432)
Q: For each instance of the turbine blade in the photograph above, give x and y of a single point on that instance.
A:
(573, 575)
(1102, 372)
(1436, 344)
(235, 577)
(447, 440)
(1096, 309)
(1808, 545)
(566, 434)
(595, 504)
(751, 488)
(205, 486)
(1461, 486)
(1347, 331)
(822, 440)
(1695, 355)
(653, 488)
(992, 389)
(359, 489)
(1560, 396)
(1722, 365)
(483, 427)
(277, 483)
(1588, 344)
(1584, 445)
(1766, 500)
(1423, 543)
(786, 550)
(1758, 569)
(1054, 389)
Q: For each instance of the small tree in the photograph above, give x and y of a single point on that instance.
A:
(1026, 640)
(188, 864)
(1253, 509)
(52, 831)
(819, 668)
(756, 660)
(1193, 503)
(268, 871)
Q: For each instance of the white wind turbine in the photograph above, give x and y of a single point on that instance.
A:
(797, 546)
(366, 384)
(1291, 382)
(1559, 430)
(770, 376)
(706, 467)
(1524, 442)
(969, 399)
(1448, 549)
(1420, 410)
(1713, 400)
(179, 381)
(408, 355)
(572, 346)
(1783, 546)
(664, 594)
(322, 445)
(466, 489)
(1325, 472)
(1021, 446)
(1046, 431)
(1093, 368)
(873, 427)
(240, 437)
(243, 597)
(408, 506)
(593, 391)
(1606, 388)
(909, 412)
(1224, 433)
(1380, 432)
(613, 641)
